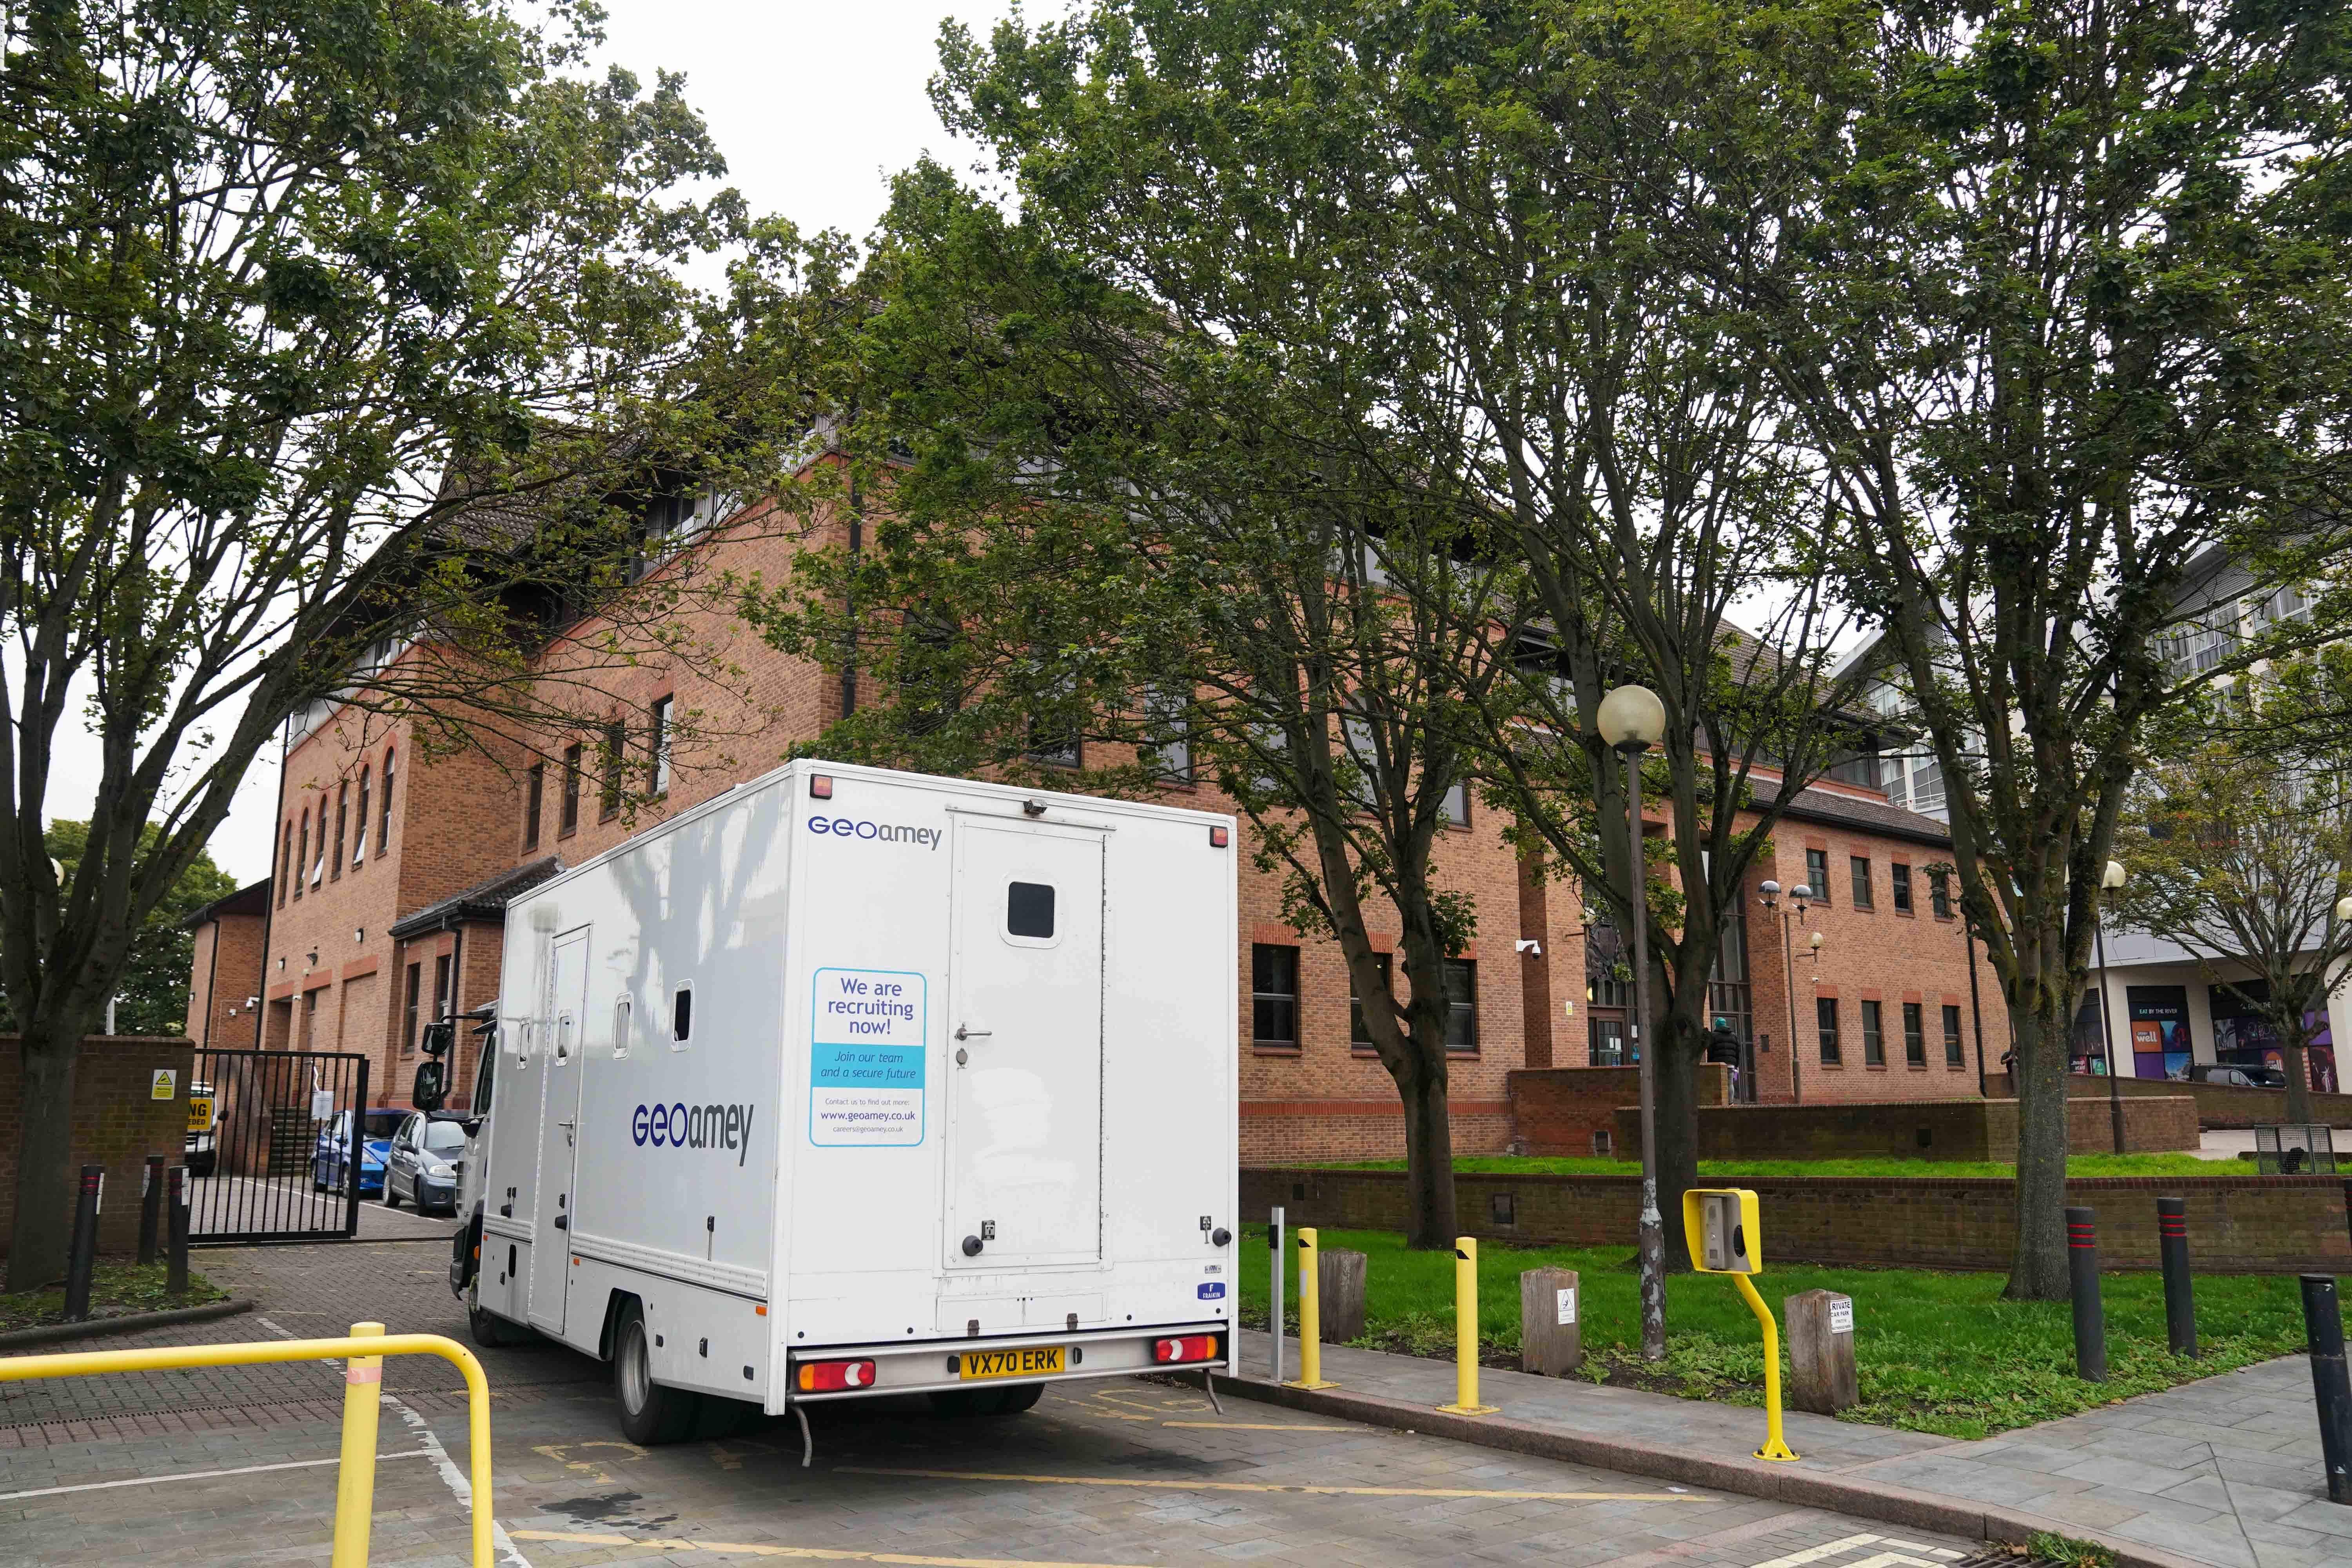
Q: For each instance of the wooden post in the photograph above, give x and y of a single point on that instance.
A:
(1551, 1323)
(1820, 1352)
(1342, 1280)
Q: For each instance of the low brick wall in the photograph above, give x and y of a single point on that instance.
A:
(2237, 1225)
(2218, 1104)
(1918, 1130)
(1555, 1111)
(116, 1124)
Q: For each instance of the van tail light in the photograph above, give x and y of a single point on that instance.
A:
(832, 1376)
(1192, 1347)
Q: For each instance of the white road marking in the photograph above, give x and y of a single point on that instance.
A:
(1896, 1556)
(451, 1476)
(1815, 1553)
(203, 1475)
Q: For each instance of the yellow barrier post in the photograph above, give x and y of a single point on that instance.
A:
(1466, 1330)
(1311, 1312)
(1775, 1446)
(355, 1476)
(173, 1358)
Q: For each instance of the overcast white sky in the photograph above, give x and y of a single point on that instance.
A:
(815, 105)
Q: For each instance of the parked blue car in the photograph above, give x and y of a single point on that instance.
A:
(329, 1161)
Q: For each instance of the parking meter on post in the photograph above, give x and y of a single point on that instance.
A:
(1726, 1235)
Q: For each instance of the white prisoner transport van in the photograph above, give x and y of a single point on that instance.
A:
(851, 1083)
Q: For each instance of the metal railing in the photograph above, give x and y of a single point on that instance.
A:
(364, 1352)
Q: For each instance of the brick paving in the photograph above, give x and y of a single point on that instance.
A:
(1118, 1473)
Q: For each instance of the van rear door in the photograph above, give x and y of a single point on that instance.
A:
(1024, 1049)
(559, 1130)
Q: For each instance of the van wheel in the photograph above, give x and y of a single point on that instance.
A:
(490, 1331)
(1022, 1397)
(650, 1412)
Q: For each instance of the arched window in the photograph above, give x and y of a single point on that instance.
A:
(359, 849)
(384, 822)
(302, 861)
(290, 869)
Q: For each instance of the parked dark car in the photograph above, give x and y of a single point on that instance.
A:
(423, 1166)
(2238, 1075)
(333, 1153)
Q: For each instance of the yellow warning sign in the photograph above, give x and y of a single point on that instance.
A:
(166, 1085)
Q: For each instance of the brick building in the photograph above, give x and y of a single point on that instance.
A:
(392, 866)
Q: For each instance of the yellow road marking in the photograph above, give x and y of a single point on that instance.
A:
(818, 1553)
(1269, 1486)
(1258, 1425)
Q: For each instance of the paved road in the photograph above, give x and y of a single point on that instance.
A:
(236, 1465)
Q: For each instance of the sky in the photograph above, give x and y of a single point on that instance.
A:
(815, 106)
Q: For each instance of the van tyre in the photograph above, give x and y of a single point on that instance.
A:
(650, 1412)
(491, 1332)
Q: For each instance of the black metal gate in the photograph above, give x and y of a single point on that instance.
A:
(283, 1159)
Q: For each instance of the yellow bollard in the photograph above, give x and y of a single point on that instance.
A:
(1775, 1446)
(355, 1478)
(1466, 1330)
(1311, 1312)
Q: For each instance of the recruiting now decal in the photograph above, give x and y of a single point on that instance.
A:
(867, 1055)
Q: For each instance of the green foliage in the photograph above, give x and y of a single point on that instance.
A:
(115, 1289)
(1934, 1352)
(2067, 1551)
(152, 994)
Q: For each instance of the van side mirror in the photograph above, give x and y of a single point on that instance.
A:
(431, 1087)
(439, 1038)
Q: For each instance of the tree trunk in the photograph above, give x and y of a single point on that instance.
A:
(1428, 1158)
(2296, 1060)
(1681, 1042)
(45, 1188)
(2037, 1270)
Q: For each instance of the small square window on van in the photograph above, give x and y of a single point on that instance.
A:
(1029, 910)
(681, 1015)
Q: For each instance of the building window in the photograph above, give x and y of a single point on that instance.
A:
(1862, 898)
(534, 793)
(1825, 1022)
(303, 863)
(384, 812)
(358, 846)
(1902, 876)
(1914, 1034)
(288, 867)
(658, 746)
(1873, 1036)
(569, 819)
(1940, 896)
(1605, 1043)
(1456, 805)
(1358, 1034)
(1953, 1056)
(1168, 737)
(1460, 1004)
(608, 763)
(444, 1000)
(1274, 994)
(1817, 875)
(342, 818)
(409, 1013)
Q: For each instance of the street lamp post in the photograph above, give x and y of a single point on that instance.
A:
(2110, 880)
(1633, 719)
(1796, 895)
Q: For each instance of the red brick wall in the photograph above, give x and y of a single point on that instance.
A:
(116, 1123)
(2218, 1104)
(2258, 1225)
(219, 985)
(1952, 1130)
(1556, 1110)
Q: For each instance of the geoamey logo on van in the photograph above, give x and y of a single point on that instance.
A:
(886, 832)
(682, 1126)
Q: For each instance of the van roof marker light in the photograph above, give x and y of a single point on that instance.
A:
(1218, 838)
(820, 786)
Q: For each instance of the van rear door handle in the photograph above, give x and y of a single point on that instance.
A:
(966, 1032)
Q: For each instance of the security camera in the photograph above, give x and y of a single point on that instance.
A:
(1529, 945)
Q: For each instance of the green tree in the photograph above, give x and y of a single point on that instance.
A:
(321, 325)
(2239, 852)
(2059, 292)
(152, 996)
(1102, 531)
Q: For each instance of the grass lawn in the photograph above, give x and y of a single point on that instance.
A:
(1936, 1353)
(2080, 1165)
(116, 1288)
